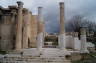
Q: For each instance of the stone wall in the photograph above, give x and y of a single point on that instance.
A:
(9, 25)
(6, 41)
(33, 37)
(7, 33)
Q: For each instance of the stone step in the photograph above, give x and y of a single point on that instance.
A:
(31, 52)
(35, 60)
(33, 55)
(14, 52)
(54, 52)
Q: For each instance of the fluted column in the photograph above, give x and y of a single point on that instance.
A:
(61, 36)
(40, 36)
(13, 28)
(19, 26)
(83, 40)
(25, 29)
(62, 29)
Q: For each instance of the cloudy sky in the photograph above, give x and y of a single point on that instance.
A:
(86, 8)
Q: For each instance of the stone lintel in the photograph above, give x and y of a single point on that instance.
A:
(4, 9)
(6, 14)
(13, 7)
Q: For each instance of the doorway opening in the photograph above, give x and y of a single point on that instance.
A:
(51, 41)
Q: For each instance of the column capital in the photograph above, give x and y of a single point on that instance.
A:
(40, 7)
(40, 10)
(83, 30)
(20, 4)
(61, 4)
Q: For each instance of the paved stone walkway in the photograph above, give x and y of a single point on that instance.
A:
(49, 55)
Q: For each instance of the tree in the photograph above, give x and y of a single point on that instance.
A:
(78, 21)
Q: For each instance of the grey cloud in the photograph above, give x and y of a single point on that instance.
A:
(51, 10)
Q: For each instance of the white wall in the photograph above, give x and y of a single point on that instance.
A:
(69, 41)
(77, 43)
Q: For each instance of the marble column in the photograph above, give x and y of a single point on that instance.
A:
(13, 27)
(83, 40)
(40, 36)
(61, 36)
(19, 26)
(25, 29)
(76, 41)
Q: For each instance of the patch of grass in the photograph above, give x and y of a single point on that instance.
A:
(91, 58)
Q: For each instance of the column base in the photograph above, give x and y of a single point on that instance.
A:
(62, 41)
(85, 51)
(40, 41)
(83, 44)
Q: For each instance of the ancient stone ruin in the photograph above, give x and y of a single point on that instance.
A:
(22, 35)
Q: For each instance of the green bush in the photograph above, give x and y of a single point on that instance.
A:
(3, 52)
